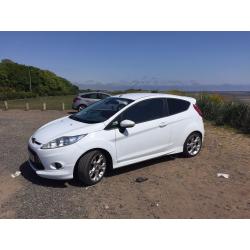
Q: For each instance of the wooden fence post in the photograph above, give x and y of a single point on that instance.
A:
(6, 105)
(27, 106)
(63, 106)
(44, 106)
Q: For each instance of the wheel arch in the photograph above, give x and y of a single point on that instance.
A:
(107, 154)
(82, 104)
(194, 126)
(196, 131)
(191, 132)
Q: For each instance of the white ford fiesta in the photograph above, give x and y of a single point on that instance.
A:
(115, 132)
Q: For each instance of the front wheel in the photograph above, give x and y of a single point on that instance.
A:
(192, 145)
(81, 107)
(92, 167)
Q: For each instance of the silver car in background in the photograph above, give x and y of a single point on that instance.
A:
(83, 100)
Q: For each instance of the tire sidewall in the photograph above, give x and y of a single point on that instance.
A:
(84, 167)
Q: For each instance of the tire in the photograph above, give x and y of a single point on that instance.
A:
(192, 145)
(92, 167)
(81, 107)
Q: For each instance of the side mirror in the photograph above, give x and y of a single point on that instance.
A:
(127, 124)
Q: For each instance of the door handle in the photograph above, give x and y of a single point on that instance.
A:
(163, 124)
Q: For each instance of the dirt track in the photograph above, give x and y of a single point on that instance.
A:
(176, 187)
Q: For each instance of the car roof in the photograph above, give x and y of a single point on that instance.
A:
(136, 96)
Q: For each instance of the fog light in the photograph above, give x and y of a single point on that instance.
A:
(58, 165)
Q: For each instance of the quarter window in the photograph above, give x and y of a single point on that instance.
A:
(145, 111)
(176, 106)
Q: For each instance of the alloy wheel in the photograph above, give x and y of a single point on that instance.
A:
(194, 144)
(97, 167)
(81, 107)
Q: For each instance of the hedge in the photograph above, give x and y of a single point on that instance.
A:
(234, 114)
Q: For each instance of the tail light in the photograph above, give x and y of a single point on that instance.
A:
(76, 99)
(197, 109)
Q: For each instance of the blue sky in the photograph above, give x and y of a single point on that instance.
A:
(186, 57)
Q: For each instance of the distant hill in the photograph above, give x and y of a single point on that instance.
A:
(164, 86)
(15, 81)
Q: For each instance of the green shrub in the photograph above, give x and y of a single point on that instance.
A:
(8, 94)
(234, 114)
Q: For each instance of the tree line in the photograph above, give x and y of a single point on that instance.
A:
(19, 81)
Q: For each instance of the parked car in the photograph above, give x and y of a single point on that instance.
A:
(117, 131)
(83, 100)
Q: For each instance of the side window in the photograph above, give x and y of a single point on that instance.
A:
(176, 106)
(94, 96)
(145, 111)
(90, 96)
(102, 96)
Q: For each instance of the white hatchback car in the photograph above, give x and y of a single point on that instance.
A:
(115, 132)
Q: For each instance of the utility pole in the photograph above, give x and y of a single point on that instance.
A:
(30, 80)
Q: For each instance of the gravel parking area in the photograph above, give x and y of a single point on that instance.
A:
(176, 187)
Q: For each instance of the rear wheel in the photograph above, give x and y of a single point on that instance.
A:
(81, 107)
(92, 167)
(192, 145)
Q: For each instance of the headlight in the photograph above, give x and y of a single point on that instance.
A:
(62, 141)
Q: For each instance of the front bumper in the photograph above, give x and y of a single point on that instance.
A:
(59, 174)
(42, 161)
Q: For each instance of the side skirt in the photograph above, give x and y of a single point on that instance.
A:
(145, 158)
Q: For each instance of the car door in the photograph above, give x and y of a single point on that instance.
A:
(178, 119)
(148, 137)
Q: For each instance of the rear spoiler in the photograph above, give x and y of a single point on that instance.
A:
(189, 99)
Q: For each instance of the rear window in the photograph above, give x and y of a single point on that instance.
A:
(176, 106)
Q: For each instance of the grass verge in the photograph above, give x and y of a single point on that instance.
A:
(52, 102)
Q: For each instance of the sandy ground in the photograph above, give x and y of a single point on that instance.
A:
(176, 187)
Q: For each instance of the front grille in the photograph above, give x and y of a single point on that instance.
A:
(35, 160)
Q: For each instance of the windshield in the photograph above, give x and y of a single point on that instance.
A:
(101, 111)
